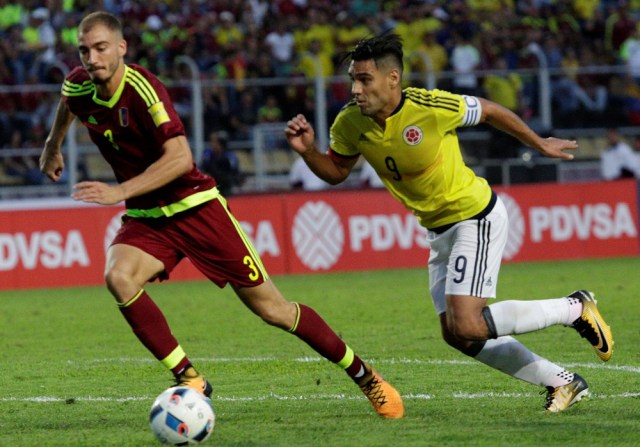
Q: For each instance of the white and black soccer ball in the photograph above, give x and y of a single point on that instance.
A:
(182, 416)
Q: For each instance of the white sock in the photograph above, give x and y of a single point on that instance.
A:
(508, 355)
(519, 317)
(575, 309)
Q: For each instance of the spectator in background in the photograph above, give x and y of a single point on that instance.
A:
(24, 167)
(11, 14)
(221, 163)
(618, 160)
(348, 31)
(40, 38)
(69, 31)
(505, 88)
(435, 53)
(228, 34)
(322, 30)
(619, 26)
(258, 10)
(316, 58)
(578, 99)
(630, 54)
(216, 109)
(280, 43)
(244, 115)
(465, 60)
(302, 178)
(270, 113)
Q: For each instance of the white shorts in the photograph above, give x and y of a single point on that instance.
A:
(465, 259)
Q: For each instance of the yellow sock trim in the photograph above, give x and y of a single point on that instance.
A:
(347, 360)
(132, 300)
(172, 360)
(295, 325)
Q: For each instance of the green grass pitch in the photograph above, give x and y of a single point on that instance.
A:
(73, 374)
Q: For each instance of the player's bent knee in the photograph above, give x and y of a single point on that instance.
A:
(113, 277)
(469, 331)
(118, 281)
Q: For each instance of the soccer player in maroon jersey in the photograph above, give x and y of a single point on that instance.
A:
(173, 211)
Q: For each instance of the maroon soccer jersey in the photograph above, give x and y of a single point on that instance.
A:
(130, 129)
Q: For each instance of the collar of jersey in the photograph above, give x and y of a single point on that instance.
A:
(400, 104)
(116, 96)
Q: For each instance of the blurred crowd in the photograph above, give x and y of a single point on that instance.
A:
(245, 39)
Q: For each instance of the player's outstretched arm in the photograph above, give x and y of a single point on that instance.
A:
(51, 160)
(301, 138)
(505, 120)
(175, 161)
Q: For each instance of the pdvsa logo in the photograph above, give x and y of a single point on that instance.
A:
(412, 135)
(49, 249)
(318, 235)
(320, 238)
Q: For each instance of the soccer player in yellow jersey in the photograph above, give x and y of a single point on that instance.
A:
(409, 137)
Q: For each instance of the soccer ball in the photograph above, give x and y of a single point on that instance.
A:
(182, 416)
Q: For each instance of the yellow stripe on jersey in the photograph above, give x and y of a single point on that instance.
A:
(71, 89)
(149, 95)
(142, 86)
(417, 155)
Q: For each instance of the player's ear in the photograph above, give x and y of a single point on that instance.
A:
(122, 47)
(394, 77)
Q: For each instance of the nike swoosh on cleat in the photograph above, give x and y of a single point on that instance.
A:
(603, 346)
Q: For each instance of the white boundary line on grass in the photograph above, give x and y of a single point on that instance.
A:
(624, 368)
(272, 396)
(310, 397)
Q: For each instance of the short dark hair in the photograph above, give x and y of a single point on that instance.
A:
(387, 46)
(102, 18)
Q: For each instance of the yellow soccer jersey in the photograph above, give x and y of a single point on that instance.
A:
(417, 155)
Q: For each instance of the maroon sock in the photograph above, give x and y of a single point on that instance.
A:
(313, 330)
(150, 326)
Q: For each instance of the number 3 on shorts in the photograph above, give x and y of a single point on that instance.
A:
(249, 262)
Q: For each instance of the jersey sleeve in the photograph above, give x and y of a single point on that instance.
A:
(453, 110)
(156, 107)
(76, 84)
(341, 135)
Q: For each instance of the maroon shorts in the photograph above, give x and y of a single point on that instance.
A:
(208, 235)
